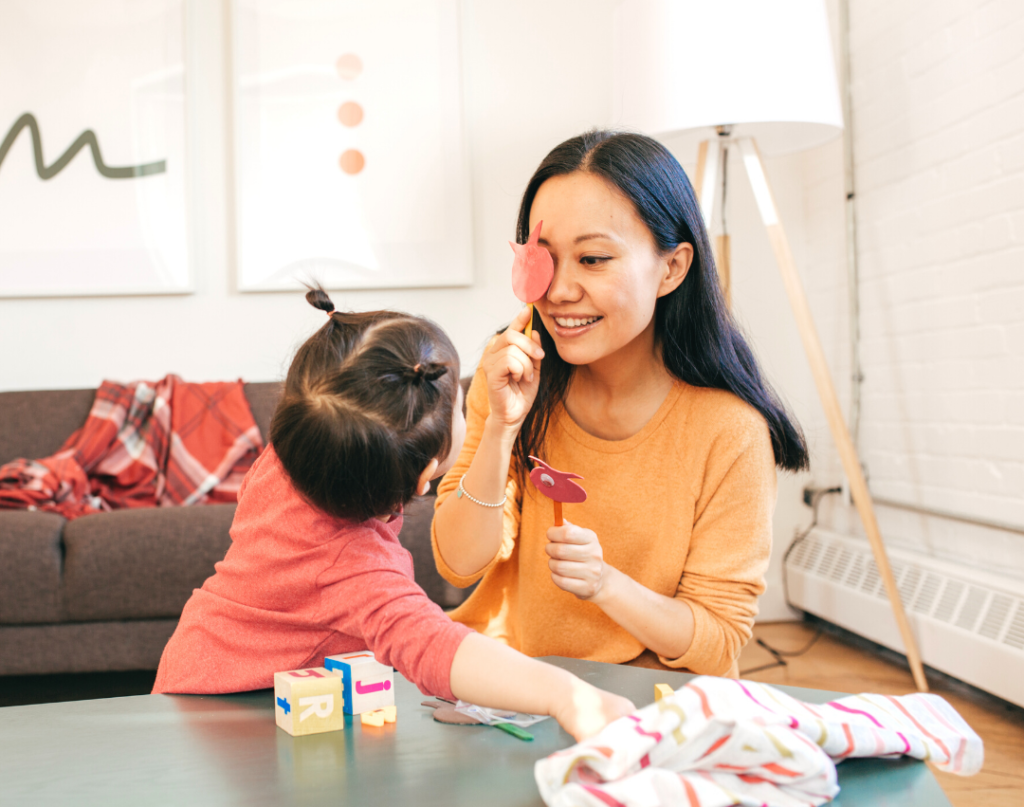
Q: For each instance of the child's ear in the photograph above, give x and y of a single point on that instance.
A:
(423, 485)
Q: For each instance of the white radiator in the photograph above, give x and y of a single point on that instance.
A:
(968, 624)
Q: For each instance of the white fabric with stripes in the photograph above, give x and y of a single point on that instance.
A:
(717, 742)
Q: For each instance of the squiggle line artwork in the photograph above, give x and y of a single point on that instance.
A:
(86, 138)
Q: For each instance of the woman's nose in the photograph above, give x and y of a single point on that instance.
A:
(564, 288)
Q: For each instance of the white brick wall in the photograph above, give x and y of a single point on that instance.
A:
(938, 114)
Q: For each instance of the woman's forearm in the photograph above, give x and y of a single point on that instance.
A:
(469, 534)
(663, 624)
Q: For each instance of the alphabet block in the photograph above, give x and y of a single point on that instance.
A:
(308, 701)
(368, 685)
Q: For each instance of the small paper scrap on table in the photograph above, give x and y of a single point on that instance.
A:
(717, 742)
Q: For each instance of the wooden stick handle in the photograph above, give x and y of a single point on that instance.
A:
(829, 399)
(558, 513)
(528, 331)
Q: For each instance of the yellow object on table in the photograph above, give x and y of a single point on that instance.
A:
(378, 717)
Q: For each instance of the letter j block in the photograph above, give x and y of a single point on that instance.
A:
(368, 684)
(308, 701)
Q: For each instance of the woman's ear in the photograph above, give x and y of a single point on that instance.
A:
(677, 264)
(423, 485)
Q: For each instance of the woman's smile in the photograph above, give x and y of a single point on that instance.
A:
(570, 326)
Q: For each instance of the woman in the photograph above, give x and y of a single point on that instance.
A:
(638, 379)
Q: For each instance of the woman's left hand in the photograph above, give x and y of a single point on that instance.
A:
(576, 560)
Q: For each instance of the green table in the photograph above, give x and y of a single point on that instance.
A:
(197, 750)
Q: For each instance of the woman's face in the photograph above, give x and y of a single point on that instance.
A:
(609, 272)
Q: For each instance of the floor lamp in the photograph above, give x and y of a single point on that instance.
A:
(751, 75)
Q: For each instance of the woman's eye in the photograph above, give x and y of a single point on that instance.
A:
(593, 260)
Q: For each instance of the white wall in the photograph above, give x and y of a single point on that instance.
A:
(535, 73)
(517, 107)
(938, 94)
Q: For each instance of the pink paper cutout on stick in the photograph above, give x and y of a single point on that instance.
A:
(533, 268)
(557, 485)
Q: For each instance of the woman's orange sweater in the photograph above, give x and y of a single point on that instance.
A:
(684, 507)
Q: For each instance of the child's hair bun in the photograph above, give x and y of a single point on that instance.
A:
(425, 371)
(368, 401)
(318, 298)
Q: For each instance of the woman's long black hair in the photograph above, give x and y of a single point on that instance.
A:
(700, 341)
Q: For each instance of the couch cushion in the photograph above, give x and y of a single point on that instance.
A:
(30, 563)
(78, 647)
(263, 398)
(141, 564)
(415, 536)
(35, 424)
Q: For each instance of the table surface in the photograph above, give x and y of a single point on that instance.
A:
(226, 749)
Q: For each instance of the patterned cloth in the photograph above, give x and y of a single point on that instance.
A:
(718, 742)
(143, 445)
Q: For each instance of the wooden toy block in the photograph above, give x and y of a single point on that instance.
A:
(662, 691)
(378, 717)
(308, 701)
(367, 684)
(375, 718)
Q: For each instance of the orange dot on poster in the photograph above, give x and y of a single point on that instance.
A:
(350, 113)
(352, 161)
(349, 66)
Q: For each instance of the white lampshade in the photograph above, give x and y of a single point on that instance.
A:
(683, 67)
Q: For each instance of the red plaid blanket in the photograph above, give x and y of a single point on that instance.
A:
(143, 445)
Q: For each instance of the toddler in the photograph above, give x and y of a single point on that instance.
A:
(371, 412)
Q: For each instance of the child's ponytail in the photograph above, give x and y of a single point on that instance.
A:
(425, 371)
(318, 298)
(368, 402)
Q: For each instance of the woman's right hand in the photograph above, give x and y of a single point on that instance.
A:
(511, 363)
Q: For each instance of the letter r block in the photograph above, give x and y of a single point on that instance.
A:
(308, 701)
(368, 684)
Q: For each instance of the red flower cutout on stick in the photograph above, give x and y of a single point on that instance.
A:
(557, 486)
(532, 272)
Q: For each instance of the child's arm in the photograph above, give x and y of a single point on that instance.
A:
(367, 594)
(489, 673)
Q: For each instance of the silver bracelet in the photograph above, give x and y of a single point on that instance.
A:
(462, 492)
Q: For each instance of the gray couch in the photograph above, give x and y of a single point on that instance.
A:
(104, 592)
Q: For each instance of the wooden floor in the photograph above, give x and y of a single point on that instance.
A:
(844, 664)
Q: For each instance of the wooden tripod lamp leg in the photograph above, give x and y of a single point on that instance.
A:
(723, 260)
(709, 171)
(829, 400)
(702, 164)
(709, 159)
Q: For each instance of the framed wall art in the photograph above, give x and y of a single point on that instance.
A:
(350, 159)
(92, 148)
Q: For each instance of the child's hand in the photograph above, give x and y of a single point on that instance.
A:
(511, 363)
(576, 560)
(587, 709)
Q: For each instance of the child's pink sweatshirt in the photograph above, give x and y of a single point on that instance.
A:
(297, 585)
